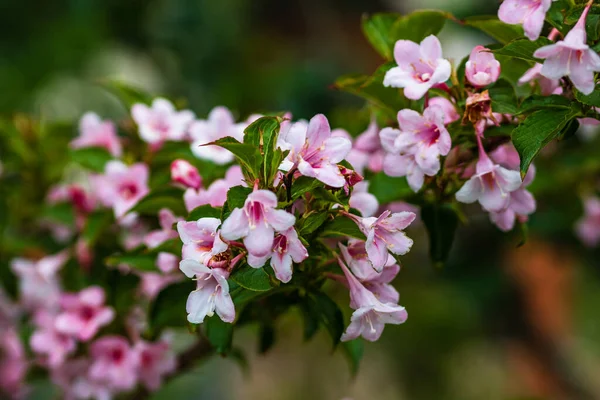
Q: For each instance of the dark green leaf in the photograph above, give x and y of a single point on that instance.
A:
(417, 25)
(93, 158)
(387, 189)
(205, 211)
(266, 337)
(343, 226)
(377, 29)
(237, 195)
(168, 309)
(96, 224)
(592, 99)
(354, 350)
(303, 185)
(312, 222)
(493, 27)
(504, 99)
(219, 334)
(523, 48)
(241, 296)
(165, 197)
(122, 291)
(61, 212)
(441, 221)
(127, 94)
(311, 321)
(327, 312)
(255, 279)
(537, 102)
(264, 132)
(247, 155)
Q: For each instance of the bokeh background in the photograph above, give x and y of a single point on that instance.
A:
(498, 322)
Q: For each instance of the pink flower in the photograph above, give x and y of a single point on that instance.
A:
(13, 365)
(71, 377)
(286, 248)
(185, 173)
(371, 314)
(450, 113)
(362, 200)
(384, 234)
(152, 282)
(93, 132)
(315, 151)
(166, 262)
(121, 187)
(420, 67)
(83, 313)
(155, 361)
(588, 227)
(482, 69)
(257, 222)
(38, 281)
(547, 86)
(491, 185)
(48, 341)
(216, 193)
(161, 122)
(366, 151)
(529, 13)
(201, 240)
(211, 294)
(167, 219)
(572, 57)
(114, 363)
(415, 148)
(220, 124)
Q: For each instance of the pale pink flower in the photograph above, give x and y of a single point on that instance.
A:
(220, 124)
(257, 222)
(216, 193)
(83, 313)
(38, 280)
(588, 227)
(529, 13)
(161, 121)
(482, 69)
(366, 150)
(420, 67)
(315, 151)
(72, 377)
(114, 363)
(385, 234)
(185, 173)
(13, 365)
(362, 200)
(450, 113)
(211, 294)
(122, 187)
(547, 86)
(93, 132)
(287, 248)
(166, 219)
(47, 341)
(572, 57)
(166, 262)
(155, 361)
(201, 239)
(153, 282)
(371, 314)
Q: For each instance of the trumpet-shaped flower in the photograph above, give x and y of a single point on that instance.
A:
(547, 86)
(529, 13)
(362, 200)
(155, 360)
(121, 187)
(167, 219)
(161, 121)
(220, 124)
(54, 345)
(201, 239)
(420, 67)
(216, 193)
(93, 132)
(114, 363)
(482, 69)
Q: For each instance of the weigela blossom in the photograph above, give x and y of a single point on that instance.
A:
(216, 193)
(362, 200)
(122, 186)
(161, 121)
(93, 132)
(185, 173)
(420, 67)
(211, 294)
(367, 151)
(315, 152)
(450, 113)
(13, 364)
(287, 247)
(166, 219)
(46, 340)
(114, 363)
(220, 124)
(83, 313)
(547, 86)
(414, 149)
(155, 360)
(588, 227)
(371, 314)
(572, 57)
(257, 222)
(482, 69)
(385, 234)
(529, 13)
(202, 240)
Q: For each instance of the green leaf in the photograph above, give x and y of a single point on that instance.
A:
(127, 94)
(165, 197)
(168, 309)
(122, 291)
(493, 27)
(247, 155)
(138, 261)
(523, 48)
(266, 337)
(592, 21)
(417, 25)
(255, 279)
(312, 222)
(303, 185)
(327, 312)
(96, 223)
(205, 211)
(377, 29)
(61, 212)
(343, 226)
(539, 129)
(593, 99)
(537, 102)
(219, 334)
(264, 132)
(241, 296)
(354, 350)
(92, 158)
(387, 189)
(441, 221)
(237, 195)
(504, 99)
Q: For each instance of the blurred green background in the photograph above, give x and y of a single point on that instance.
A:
(499, 322)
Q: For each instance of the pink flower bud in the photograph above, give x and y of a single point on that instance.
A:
(185, 173)
(482, 69)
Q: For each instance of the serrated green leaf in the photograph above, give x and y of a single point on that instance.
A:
(219, 334)
(166, 197)
(377, 29)
(264, 133)
(204, 211)
(537, 102)
(255, 279)
(247, 155)
(493, 27)
(92, 158)
(343, 226)
(441, 222)
(237, 195)
(312, 222)
(504, 99)
(168, 309)
(593, 99)
(303, 185)
(523, 49)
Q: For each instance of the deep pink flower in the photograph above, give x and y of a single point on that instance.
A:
(46, 340)
(588, 227)
(420, 67)
(211, 294)
(161, 122)
(385, 234)
(572, 57)
(122, 186)
(547, 86)
(257, 222)
(83, 313)
(201, 240)
(220, 124)
(93, 132)
(155, 360)
(216, 193)
(450, 113)
(529, 13)
(362, 200)
(482, 69)
(114, 363)
(13, 364)
(371, 314)
(185, 173)
(315, 151)
(286, 248)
